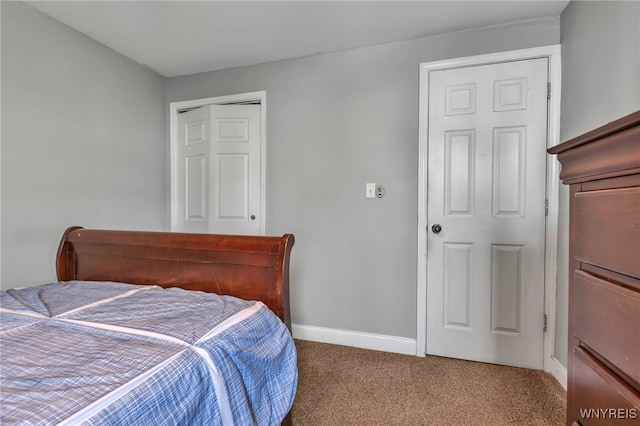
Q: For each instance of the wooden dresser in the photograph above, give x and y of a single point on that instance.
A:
(603, 169)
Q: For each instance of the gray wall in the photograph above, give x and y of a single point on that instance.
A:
(83, 142)
(335, 122)
(600, 82)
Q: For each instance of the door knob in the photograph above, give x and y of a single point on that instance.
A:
(253, 217)
(436, 228)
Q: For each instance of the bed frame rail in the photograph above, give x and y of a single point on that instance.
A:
(248, 267)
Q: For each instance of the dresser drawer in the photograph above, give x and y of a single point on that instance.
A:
(599, 397)
(607, 229)
(606, 317)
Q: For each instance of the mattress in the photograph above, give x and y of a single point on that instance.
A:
(114, 353)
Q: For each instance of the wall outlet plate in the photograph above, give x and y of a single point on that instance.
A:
(379, 191)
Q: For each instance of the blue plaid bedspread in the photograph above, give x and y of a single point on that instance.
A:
(121, 354)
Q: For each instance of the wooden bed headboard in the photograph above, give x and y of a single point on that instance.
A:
(248, 267)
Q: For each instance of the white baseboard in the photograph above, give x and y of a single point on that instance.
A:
(378, 342)
(557, 370)
(385, 343)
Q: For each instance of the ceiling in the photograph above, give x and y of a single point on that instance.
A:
(187, 37)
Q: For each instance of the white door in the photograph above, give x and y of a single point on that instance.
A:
(486, 212)
(193, 171)
(219, 176)
(235, 143)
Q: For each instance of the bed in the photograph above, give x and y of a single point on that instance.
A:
(152, 328)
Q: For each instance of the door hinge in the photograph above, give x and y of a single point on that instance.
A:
(544, 323)
(546, 207)
(548, 90)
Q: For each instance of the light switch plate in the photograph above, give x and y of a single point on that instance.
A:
(370, 190)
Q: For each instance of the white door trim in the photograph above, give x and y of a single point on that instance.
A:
(174, 107)
(552, 186)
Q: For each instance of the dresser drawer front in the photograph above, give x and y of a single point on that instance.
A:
(607, 229)
(599, 397)
(606, 317)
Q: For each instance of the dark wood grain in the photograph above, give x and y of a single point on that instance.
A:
(602, 132)
(599, 308)
(609, 151)
(248, 267)
(608, 229)
(603, 169)
(617, 155)
(596, 388)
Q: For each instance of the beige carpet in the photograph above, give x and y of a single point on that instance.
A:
(340, 385)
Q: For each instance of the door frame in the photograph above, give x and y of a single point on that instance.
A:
(174, 140)
(552, 52)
